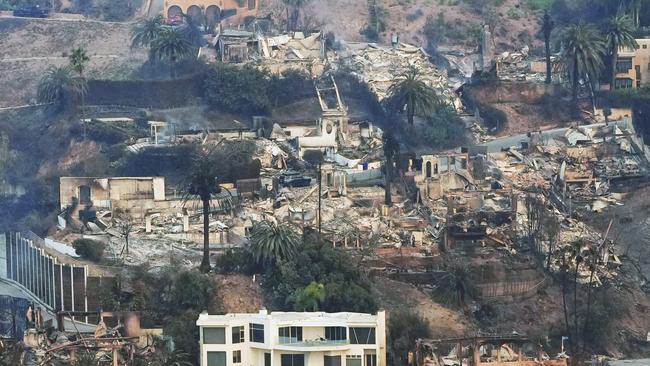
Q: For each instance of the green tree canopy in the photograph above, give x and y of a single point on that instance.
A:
(235, 89)
(583, 54)
(271, 242)
(619, 33)
(308, 298)
(146, 31)
(412, 93)
(55, 81)
(346, 287)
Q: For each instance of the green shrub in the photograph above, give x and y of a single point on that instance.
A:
(405, 328)
(237, 90)
(346, 287)
(89, 249)
(193, 290)
(236, 261)
(415, 15)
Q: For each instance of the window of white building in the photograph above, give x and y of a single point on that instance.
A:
(290, 334)
(214, 335)
(216, 358)
(362, 335)
(256, 332)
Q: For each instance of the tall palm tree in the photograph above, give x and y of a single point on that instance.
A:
(172, 45)
(55, 81)
(78, 61)
(146, 31)
(203, 183)
(391, 150)
(271, 242)
(583, 54)
(547, 29)
(619, 33)
(414, 93)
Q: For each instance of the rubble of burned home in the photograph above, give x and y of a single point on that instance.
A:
(478, 196)
(510, 208)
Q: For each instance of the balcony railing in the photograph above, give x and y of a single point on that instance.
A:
(315, 343)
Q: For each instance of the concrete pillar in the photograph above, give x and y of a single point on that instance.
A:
(147, 223)
(71, 288)
(186, 222)
(476, 353)
(381, 337)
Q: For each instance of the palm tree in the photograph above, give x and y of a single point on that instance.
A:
(203, 183)
(309, 298)
(414, 93)
(55, 81)
(547, 29)
(271, 242)
(619, 33)
(452, 287)
(146, 31)
(391, 150)
(78, 61)
(583, 54)
(172, 45)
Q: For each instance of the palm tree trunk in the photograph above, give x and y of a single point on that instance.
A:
(320, 197)
(205, 262)
(564, 305)
(574, 80)
(613, 66)
(288, 20)
(586, 324)
(410, 113)
(388, 200)
(575, 341)
(547, 44)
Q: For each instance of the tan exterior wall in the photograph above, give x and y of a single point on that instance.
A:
(118, 191)
(244, 8)
(69, 189)
(641, 59)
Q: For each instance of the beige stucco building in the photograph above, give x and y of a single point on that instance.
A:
(215, 11)
(293, 339)
(633, 66)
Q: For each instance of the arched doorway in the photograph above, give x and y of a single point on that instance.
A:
(174, 11)
(212, 17)
(195, 15)
(428, 169)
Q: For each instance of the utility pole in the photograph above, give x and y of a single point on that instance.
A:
(320, 196)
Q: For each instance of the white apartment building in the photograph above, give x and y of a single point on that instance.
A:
(293, 339)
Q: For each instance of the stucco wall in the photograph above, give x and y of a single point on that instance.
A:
(244, 8)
